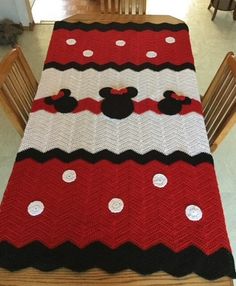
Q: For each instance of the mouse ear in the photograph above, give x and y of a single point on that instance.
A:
(132, 91)
(105, 92)
(66, 91)
(168, 93)
(187, 101)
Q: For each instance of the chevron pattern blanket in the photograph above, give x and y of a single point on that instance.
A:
(114, 170)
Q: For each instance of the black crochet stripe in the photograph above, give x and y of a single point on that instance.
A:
(127, 256)
(112, 65)
(120, 26)
(113, 157)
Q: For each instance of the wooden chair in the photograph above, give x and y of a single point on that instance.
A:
(219, 102)
(223, 5)
(123, 6)
(17, 88)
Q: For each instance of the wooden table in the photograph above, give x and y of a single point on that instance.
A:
(98, 277)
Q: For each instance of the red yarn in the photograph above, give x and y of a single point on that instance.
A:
(78, 211)
(119, 91)
(140, 107)
(106, 51)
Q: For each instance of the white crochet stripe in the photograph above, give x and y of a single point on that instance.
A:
(69, 132)
(150, 84)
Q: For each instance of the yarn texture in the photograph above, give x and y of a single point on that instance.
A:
(114, 170)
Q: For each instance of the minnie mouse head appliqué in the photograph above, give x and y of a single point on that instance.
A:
(62, 101)
(117, 103)
(172, 103)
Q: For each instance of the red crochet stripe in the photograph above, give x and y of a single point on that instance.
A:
(94, 106)
(105, 50)
(78, 212)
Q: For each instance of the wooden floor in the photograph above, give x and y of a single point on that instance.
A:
(52, 10)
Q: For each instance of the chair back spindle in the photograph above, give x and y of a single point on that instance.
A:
(17, 88)
(123, 6)
(219, 102)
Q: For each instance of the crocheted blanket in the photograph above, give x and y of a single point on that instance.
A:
(114, 170)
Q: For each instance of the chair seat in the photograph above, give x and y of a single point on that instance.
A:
(223, 5)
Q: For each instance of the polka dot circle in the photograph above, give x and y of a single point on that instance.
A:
(151, 54)
(120, 43)
(87, 53)
(170, 40)
(159, 180)
(69, 176)
(193, 213)
(35, 208)
(71, 42)
(116, 205)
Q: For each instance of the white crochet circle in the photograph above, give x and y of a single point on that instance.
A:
(35, 208)
(69, 176)
(170, 40)
(87, 53)
(71, 42)
(116, 205)
(120, 43)
(159, 180)
(151, 54)
(193, 213)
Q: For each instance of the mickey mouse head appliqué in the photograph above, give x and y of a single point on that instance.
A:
(62, 101)
(117, 103)
(172, 103)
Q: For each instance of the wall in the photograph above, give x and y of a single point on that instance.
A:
(16, 10)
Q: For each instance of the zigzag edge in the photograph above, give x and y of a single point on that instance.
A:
(113, 157)
(126, 256)
(112, 65)
(120, 26)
